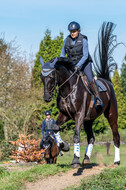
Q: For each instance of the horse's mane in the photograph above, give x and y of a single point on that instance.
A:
(62, 62)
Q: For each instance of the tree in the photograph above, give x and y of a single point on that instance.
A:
(123, 75)
(49, 48)
(14, 83)
(120, 100)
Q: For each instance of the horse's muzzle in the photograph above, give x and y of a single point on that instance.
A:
(47, 98)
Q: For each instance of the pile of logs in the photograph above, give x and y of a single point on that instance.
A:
(27, 149)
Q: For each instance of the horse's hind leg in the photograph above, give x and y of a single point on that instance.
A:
(90, 140)
(112, 117)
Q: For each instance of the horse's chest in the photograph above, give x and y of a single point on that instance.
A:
(66, 104)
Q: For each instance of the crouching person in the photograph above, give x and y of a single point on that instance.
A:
(47, 129)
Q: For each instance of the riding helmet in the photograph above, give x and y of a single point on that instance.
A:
(47, 112)
(73, 26)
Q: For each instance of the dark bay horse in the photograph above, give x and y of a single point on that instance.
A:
(74, 98)
(51, 150)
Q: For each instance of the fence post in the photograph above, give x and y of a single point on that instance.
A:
(108, 148)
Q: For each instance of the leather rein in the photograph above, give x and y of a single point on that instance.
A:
(64, 98)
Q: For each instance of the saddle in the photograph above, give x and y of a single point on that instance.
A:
(100, 85)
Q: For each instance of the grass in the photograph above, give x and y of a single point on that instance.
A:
(109, 179)
(15, 179)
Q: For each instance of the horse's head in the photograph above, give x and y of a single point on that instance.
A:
(48, 76)
(51, 149)
(47, 143)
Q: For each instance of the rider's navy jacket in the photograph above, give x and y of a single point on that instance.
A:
(76, 49)
(47, 125)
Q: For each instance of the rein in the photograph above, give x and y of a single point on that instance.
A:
(64, 99)
(67, 79)
(73, 88)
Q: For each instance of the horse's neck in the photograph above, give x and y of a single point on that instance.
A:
(65, 85)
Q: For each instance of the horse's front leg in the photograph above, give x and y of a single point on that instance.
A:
(90, 140)
(79, 122)
(60, 121)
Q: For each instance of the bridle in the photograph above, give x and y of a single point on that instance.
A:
(56, 90)
(50, 71)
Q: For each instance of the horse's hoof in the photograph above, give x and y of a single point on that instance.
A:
(86, 161)
(75, 165)
(117, 163)
(75, 162)
(64, 147)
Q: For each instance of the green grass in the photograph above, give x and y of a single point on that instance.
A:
(15, 179)
(109, 179)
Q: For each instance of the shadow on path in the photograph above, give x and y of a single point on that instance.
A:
(82, 168)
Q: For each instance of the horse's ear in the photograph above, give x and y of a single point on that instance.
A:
(54, 62)
(41, 61)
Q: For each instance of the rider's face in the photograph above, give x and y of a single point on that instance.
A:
(74, 33)
(48, 116)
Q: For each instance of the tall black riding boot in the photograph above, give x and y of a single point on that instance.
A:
(95, 91)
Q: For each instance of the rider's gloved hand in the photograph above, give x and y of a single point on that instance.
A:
(77, 68)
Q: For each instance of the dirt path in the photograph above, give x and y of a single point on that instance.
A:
(64, 180)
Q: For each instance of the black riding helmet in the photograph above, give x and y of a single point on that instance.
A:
(73, 26)
(47, 112)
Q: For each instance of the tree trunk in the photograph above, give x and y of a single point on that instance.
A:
(5, 132)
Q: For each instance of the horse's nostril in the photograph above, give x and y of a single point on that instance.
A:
(47, 99)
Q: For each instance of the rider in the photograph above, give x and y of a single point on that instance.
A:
(76, 48)
(47, 129)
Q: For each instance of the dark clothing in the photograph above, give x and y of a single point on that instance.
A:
(77, 51)
(47, 125)
(74, 49)
(47, 129)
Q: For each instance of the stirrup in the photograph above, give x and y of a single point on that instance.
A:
(95, 100)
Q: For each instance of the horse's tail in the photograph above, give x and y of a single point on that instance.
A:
(107, 42)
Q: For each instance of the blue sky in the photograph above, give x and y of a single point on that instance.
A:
(27, 20)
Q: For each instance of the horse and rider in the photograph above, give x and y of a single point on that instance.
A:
(48, 130)
(75, 99)
(75, 46)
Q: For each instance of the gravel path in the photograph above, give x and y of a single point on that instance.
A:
(64, 180)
